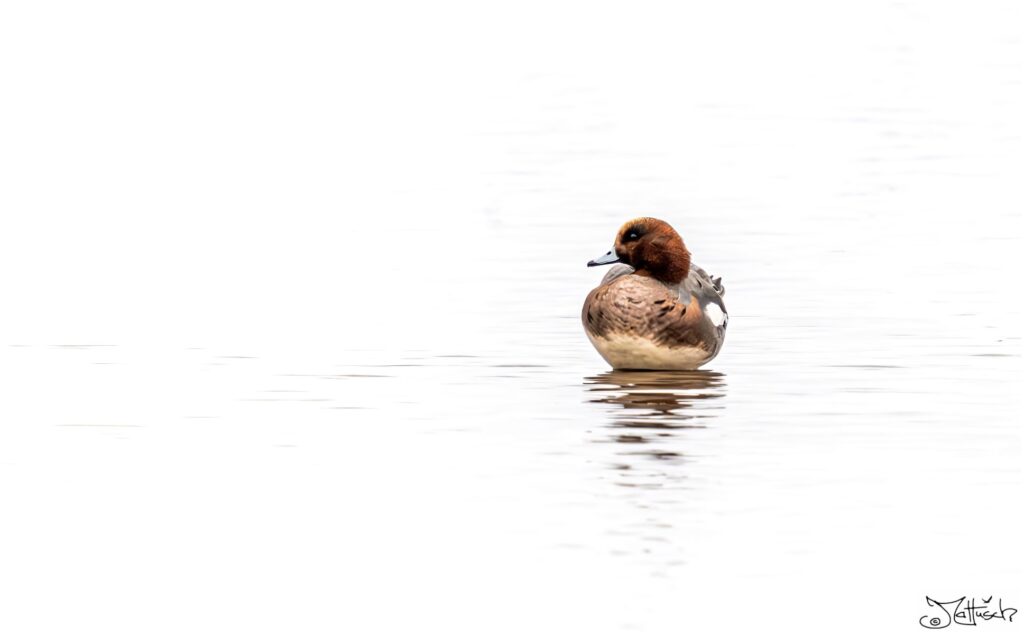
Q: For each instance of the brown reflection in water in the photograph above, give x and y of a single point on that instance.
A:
(648, 412)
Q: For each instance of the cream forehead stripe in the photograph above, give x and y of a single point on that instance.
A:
(642, 220)
(715, 313)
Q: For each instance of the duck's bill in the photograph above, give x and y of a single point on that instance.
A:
(607, 259)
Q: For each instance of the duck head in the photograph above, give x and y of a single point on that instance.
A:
(652, 248)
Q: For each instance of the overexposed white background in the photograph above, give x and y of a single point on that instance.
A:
(203, 203)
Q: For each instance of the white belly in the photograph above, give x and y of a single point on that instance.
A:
(629, 352)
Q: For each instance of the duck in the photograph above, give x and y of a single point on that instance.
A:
(654, 309)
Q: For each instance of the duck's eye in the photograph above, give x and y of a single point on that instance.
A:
(633, 236)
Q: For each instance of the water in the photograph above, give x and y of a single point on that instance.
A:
(294, 341)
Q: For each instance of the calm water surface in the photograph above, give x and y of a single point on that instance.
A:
(355, 395)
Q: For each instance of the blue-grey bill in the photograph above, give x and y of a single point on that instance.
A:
(607, 259)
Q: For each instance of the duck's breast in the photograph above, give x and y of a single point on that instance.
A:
(638, 322)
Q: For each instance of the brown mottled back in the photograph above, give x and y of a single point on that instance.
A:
(644, 307)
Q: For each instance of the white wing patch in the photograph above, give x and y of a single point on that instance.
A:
(715, 314)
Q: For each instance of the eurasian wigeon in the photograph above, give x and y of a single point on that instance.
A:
(655, 310)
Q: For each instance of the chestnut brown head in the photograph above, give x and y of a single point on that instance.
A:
(651, 247)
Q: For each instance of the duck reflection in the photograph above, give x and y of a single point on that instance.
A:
(649, 410)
